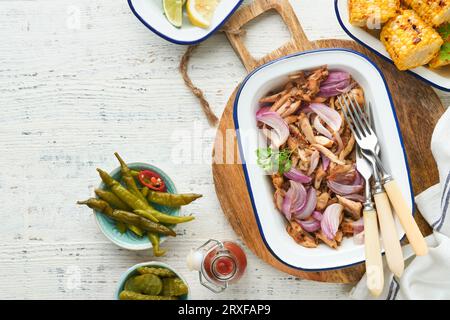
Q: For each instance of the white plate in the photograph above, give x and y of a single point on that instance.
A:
(151, 14)
(272, 225)
(439, 79)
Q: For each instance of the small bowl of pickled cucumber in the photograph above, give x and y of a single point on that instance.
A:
(152, 281)
(137, 206)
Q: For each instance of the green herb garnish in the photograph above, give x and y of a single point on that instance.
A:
(274, 161)
(444, 31)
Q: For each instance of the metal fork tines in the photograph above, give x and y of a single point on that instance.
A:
(363, 132)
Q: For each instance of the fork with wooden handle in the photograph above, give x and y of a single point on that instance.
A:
(368, 141)
(374, 263)
(402, 210)
(391, 241)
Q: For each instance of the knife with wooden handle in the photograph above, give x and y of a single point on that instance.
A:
(374, 263)
(403, 212)
(391, 241)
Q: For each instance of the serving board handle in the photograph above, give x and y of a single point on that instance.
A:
(233, 30)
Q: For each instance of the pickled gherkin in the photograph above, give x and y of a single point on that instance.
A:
(130, 295)
(160, 272)
(148, 284)
(173, 287)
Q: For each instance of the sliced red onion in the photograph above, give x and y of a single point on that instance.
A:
(331, 220)
(338, 139)
(315, 157)
(333, 90)
(321, 129)
(279, 126)
(348, 88)
(355, 197)
(262, 111)
(336, 77)
(358, 226)
(294, 199)
(306, 110)
(297, 176)
(358, 238)
(344, 189)
(336, 83)
(325, 162)
(307, 209)
(317, 215)
(309, 225)
(358, 179)
(331, 117)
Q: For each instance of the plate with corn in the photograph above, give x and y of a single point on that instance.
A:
(413, 34)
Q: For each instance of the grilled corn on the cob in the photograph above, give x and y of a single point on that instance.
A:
(433, 12)
(372, 13)
(443, 58)
(410, 41)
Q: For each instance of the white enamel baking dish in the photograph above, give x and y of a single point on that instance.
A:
(151, 14)
(272, 225)
(438, 78)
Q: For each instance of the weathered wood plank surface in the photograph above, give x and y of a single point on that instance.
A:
(80, 80)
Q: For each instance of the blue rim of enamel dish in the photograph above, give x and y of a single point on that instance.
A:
(162, 35)
(244, 166)
(338, 15)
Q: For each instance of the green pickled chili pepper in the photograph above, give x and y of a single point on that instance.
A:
(128, 178)
(145, 284)
(173, 287)
(116, 203)
(142, 223)
(155, 240)
(129, 295)
(121, 192)
(170, 199)
(128, 197)
(160, 272)
(131, 186)
(146, 214)
(122, 227)
(144, 191)
(134, 173)
(123, 166)
(127, 217)
(137, 231)
(165, 218)
(112, 199)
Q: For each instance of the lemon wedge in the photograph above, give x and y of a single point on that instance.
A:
(200, 12)
(173, 10)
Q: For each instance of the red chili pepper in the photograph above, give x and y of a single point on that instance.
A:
(152, 180)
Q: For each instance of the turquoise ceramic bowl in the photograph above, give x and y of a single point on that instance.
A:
(129, 240)
(133, 271)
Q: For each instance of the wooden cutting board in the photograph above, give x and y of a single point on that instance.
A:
(418, 109)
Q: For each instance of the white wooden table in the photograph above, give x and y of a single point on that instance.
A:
(82, 79)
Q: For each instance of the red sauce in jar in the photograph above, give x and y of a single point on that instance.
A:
(225, 264)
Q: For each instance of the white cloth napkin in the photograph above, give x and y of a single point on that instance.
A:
(426, 277)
